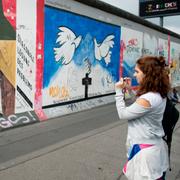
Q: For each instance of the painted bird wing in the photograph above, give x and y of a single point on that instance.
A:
(65, 35)
(109, 40)
(106, 45)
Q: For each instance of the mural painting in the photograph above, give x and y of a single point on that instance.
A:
(175, 63)
(163, 49)
(81, 57)
(131, 45)
(150, 45)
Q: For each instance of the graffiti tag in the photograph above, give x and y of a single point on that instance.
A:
(60, 92)
(13, 120)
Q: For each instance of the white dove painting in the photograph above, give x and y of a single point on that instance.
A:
(77, 45)
(68, 43)
(102, 50)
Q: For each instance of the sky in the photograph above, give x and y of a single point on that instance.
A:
(170, 22)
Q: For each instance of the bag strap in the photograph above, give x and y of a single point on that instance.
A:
(169, 154)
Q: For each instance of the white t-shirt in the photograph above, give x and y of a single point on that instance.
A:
(154, 98)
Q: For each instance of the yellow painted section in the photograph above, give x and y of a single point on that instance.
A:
(8, 59)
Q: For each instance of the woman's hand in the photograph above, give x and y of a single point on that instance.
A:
(120, 84)
(124, 83)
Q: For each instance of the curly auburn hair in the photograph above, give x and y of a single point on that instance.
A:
(156, 78)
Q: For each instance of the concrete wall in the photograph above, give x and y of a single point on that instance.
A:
(69, 54)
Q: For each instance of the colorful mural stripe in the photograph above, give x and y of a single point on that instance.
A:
(39, 59)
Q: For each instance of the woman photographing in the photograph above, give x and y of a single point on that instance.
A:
(146, 150)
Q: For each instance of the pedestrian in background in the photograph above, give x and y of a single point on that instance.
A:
(174, 96)
(146, 150)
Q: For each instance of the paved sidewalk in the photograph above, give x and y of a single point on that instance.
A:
(95, 155)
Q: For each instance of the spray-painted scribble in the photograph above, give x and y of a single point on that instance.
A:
(73, 107)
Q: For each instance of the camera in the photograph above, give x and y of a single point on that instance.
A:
(127, 80)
